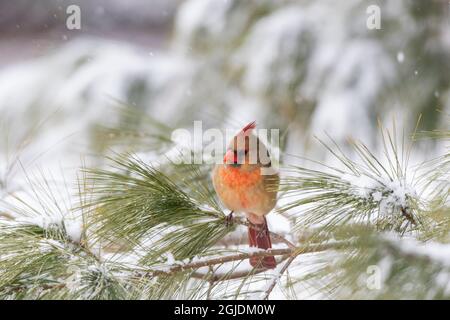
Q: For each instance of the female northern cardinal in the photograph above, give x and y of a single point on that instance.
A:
(242, 187)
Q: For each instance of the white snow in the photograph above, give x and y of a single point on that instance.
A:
(206, 16)
(377, 196)
(170, 258)
(49, 245)
(271, 39)
(42, 221)
(251, 250)
(312, 48)
(74, 229)
(363, 185)
(438, 252)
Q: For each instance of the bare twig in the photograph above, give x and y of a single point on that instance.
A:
(6, 216)
(219, 260)
(285, 253)
(225, 276)
(242, 256)
(407, 215)
(273, 235)
(237, 239)
(281, 272)
(210, 285)
(277, 277)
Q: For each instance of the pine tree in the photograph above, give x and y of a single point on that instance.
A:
(368, 222)
(376, 227)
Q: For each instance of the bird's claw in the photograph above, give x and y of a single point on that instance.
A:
(229, 219)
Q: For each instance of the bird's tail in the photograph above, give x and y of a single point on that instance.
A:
(258, 236)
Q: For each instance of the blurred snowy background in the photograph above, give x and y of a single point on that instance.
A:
(306, 67)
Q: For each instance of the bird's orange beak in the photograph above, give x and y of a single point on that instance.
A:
(230, 157)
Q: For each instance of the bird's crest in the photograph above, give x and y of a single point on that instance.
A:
(249, 127)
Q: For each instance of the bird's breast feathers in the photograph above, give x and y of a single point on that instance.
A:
(236, 178)
(243, 190)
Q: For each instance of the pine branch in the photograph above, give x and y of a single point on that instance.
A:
(220, 260)
(294, 251)
(369, 190)
(134, 201)
(169, 220)
(134, 130)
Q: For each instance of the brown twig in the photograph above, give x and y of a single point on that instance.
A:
(242, 256)
(237, 239)
(277, 277)
(6, 215)
(210, 285)
(407, 215)
(282, 271)
(290, 253)
(273, 235)
(226, 276)
(219, 260)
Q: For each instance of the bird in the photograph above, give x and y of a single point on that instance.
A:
(246, 183)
